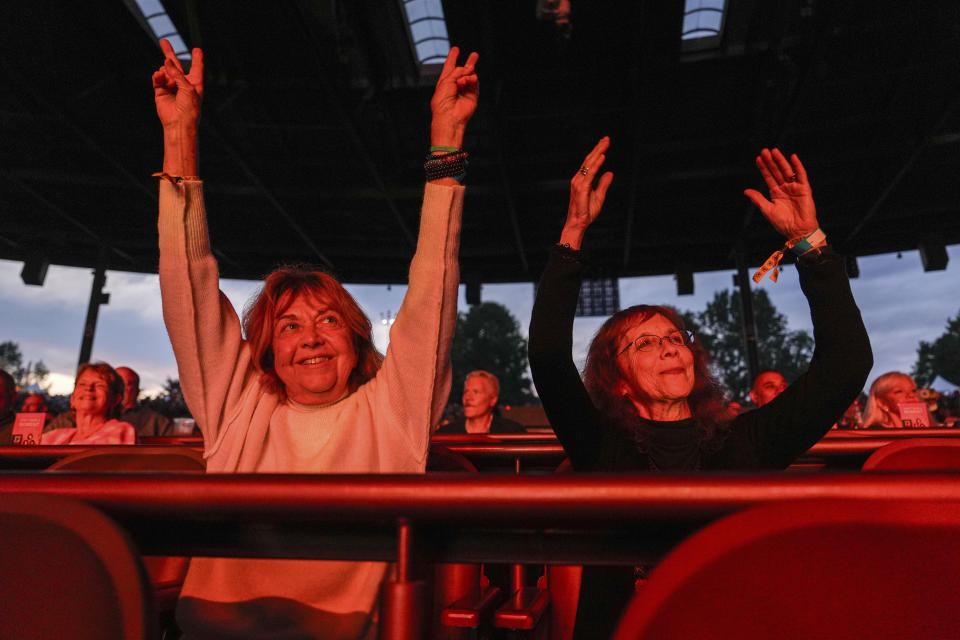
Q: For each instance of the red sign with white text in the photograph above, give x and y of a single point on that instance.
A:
(27, 428)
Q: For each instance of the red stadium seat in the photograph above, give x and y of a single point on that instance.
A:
(69, 572)
(139, 458)
(166, 573)
(916, 454)
(814, 569)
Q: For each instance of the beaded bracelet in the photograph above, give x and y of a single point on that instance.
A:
(448, 165)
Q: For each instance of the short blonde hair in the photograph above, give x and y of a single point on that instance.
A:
(874, 413)
(486, 375)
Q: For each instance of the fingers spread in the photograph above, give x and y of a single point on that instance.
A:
(451, 62)
(176, 74)
(602, 186)
(758, 199)
(764, 165)
(471, 62)
(595, 159)
(168, 53)
(781, 165)
(798, 169)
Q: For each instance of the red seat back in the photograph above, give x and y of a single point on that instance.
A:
(69, 572)
(816, 569)
(916, 454)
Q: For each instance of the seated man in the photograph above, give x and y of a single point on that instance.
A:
(481, 390)
(768, 385)
(146, 421)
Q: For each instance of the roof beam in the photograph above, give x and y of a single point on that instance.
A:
(908, 164)
(350, 126)
(267, 194)
(25, 89)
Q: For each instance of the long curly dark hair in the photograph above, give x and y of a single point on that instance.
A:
(603, 378)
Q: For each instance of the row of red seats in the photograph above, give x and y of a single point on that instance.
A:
(808, 534)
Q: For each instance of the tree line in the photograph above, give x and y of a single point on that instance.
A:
(488, 337)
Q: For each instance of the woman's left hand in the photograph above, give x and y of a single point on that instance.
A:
(790, 208)
(454, 100)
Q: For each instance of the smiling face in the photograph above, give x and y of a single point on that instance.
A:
(91, 394)
(660, 377)
(313, 350)
(900, 389)
(479, 397)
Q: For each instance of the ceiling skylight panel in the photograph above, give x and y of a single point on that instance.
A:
(428, 30)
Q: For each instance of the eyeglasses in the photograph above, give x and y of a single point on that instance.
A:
(647, 341)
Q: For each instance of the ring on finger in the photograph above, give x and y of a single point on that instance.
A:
(583, 170)
(793, 178)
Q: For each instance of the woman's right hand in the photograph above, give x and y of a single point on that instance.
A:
(178, 96)
(586, 201)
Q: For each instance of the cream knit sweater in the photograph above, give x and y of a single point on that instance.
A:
(384, 427)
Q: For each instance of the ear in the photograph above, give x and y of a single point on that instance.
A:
(753, 397)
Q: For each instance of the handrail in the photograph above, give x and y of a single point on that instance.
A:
(573, 518)
(838, 449)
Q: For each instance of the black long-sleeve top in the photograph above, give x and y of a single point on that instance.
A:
(770, 437)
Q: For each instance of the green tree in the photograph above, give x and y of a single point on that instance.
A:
(488, 337)
(940, 357)
(11, 359)
(170, 402)
(718, 327)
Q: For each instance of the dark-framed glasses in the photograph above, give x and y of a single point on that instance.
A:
(648, 341)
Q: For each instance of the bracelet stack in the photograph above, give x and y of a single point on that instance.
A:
(799, 246)
(446, 162)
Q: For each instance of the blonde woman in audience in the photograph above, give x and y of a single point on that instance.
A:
(883, 404)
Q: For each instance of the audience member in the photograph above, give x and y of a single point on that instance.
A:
(8, 400)
(95, 407)
(648, 401)
(887, 393)
(34, 403)
(852, 418)
(481, 391)
(305, 391)
(768, 385)
(146, 421)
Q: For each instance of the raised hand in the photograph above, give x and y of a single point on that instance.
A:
(177, 94)
(585, 200)
(790, 208)
(454, 100)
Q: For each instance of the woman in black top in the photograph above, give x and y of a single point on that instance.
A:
(647, 400)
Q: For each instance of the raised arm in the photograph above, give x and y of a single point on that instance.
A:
(203, 327)
(788, 425)
(565, 400)
(416, 371)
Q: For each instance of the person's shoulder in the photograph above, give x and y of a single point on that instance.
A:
(452, 427)
(506, 425)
